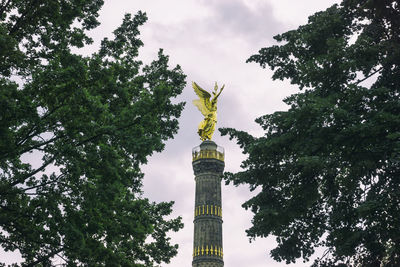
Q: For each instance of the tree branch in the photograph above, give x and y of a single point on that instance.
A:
(28, 10)
(43, 184)
(27, 175)
(30, 134)
(372, 74)
(43, 258)
(106, 132)
(40, 144)
(33, 147)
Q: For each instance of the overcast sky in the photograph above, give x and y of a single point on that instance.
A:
(211, 40)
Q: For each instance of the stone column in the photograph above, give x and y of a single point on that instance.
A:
(208, 165)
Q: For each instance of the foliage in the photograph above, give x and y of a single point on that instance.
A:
(74, 131)
(328, 168)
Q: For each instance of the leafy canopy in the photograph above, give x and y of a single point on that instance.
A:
(74, 131)
(329, 167)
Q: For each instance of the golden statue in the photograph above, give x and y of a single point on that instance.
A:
(208, 109)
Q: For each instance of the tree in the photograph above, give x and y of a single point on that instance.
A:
(74, 131)
(328, 168)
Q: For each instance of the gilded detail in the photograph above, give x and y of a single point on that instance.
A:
(208, 154)
(207, 107)
(212, 251)
(213, 210)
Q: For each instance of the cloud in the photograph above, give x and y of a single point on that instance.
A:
(255, 23)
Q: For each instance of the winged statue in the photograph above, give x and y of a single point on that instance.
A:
(207, 107)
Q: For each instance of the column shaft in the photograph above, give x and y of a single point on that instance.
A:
(207, 243)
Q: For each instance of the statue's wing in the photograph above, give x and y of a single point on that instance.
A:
(203, 104)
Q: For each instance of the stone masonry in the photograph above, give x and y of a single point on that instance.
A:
(208, 165)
